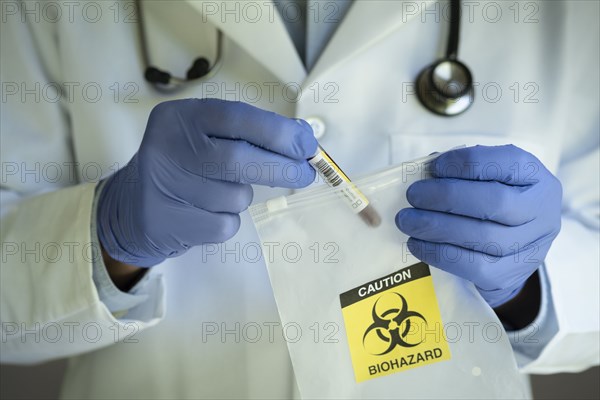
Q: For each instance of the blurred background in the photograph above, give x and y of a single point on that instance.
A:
(43, 382)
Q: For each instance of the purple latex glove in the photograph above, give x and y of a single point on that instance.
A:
(489, 216)
(191, 177)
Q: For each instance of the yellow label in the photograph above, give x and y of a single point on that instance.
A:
(394, 324)
(333, 165)
(335, 177)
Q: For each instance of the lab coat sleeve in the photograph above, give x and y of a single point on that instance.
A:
(565, 337)
(49, 305)
(569, 324)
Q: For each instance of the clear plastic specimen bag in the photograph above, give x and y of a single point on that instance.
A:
(374, 321)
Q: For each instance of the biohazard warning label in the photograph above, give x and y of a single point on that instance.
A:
(394, 324)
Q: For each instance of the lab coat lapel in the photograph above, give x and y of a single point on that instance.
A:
(365, 23)
(265, 37)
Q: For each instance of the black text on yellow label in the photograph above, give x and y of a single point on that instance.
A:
(394, 323)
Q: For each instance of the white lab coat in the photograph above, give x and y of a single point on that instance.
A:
(361, 88)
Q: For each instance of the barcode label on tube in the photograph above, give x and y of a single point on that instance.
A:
(334, 177)
(328, 173)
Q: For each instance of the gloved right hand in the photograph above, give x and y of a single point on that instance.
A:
(191, 177)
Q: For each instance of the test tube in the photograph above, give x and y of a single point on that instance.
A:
(333, 175)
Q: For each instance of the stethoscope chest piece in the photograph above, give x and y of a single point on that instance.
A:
(446, 87)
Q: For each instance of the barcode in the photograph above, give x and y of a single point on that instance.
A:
(329, 173)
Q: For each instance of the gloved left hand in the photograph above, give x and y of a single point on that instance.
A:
(489, 216)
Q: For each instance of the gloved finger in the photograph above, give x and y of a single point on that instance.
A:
(487, 272)
(469, 233)
(493, 201)
(497, 297)
(507, 164)
(222, 196)
(191, 226)
(209, 194)
(237, 120)
(243, 162)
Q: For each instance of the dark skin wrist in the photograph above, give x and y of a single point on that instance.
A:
(521, 310)
(124, 276)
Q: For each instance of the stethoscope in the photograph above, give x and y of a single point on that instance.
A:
(164, 80)
(444, 87)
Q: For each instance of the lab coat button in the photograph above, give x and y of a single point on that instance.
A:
(317, 125)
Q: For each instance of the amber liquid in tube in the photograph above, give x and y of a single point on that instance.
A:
(333, 175)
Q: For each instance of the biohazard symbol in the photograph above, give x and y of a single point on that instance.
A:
(387, 325)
